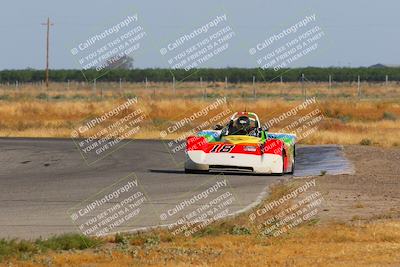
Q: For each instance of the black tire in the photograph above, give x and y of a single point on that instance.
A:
(294, 160)
(293, 166)
(195, 171)
(188, 171)
(283, 164)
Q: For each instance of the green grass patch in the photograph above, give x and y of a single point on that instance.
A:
(68, 242)
(23, 249)
(17, 248)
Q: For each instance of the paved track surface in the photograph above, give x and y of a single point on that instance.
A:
(42, 179)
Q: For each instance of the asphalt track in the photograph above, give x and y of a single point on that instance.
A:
(41, 180)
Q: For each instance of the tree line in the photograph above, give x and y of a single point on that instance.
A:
(234, 75)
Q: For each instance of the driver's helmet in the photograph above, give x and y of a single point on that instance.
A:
(243, 123)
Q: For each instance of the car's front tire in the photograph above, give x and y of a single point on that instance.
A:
(193, 167)
(283, 165)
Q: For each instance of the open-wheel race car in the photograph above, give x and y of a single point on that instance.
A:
(243, 145)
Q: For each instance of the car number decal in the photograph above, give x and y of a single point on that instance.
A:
(222, 148)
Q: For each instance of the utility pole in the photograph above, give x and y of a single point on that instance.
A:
(48, 24)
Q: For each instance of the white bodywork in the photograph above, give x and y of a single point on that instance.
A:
(266, 163)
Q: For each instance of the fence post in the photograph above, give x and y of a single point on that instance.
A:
(94, 86)
(201, 84)
(173, 83)
(146, 82)
(303, 88)
(358, 86)
(204, 90)
(254, 87)
(386, 79)
(330, 81)
(281, 79)
(226, 82)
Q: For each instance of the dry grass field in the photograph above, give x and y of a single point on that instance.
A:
(372, 119)
(374, 244)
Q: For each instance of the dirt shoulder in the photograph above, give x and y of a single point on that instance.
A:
(373, 192)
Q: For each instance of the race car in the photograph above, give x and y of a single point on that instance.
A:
(243, 145)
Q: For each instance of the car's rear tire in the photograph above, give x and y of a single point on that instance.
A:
(195, 171)
(294, 160)
(292, 170)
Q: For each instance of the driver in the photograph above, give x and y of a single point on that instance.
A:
(241, 126)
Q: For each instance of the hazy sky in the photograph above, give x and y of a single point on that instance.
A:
(356, 33)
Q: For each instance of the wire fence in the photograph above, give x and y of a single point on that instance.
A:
(210, 89)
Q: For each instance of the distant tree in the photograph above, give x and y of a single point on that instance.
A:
(379, 65)
(125, 62)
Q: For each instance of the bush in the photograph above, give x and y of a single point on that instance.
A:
(129, 95)
(42, 96)
(78, 96)
(152, 241)
(209, 231)
(23, 248)
(4, 97)
(345, 119)
(240, 230)
(389, 116)
(59, 97)
(68, 242)
(366, 142)
(10, 248)
(121, 239)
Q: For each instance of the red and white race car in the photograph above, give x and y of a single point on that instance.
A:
(242, 145)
